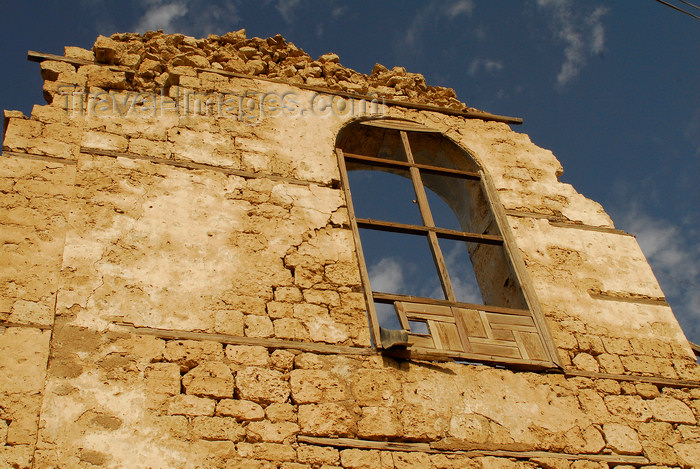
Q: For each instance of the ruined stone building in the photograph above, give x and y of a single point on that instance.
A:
(186, 263)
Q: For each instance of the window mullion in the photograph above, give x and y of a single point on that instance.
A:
(364, 274)
(427, 216)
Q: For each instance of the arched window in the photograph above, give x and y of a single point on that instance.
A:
(438, 277)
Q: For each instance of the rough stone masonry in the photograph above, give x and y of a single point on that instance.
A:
(180, 285)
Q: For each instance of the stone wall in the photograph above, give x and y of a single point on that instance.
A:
(182, 289)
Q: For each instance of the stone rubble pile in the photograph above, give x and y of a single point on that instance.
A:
(163, 59)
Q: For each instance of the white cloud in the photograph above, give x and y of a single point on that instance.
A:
(461, 7)
(487, 65)
(195, 17)
(583, 34)
(387, 276)
(286, 9)
(431, 14)
(674, 255)
(161, 16)
(338, 12)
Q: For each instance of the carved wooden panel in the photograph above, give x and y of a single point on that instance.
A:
(470, 331)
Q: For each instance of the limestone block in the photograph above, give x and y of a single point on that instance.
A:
(322, 297)
(639, 364)
(39, 145)
(230, 322)
(78, 53)
(314, 386)
(266, 451)
(361, 459)
(374, 387)
(282, 360)
(217, 428)
(163, 378)
(294, 465)
(105, 78)
(618, 346)
(343, 273)
(688, 454)
(144, 348)
(657, 431)
(246, 304)
(271, 432)
(594, 442)
(107, 50)
(189, 82)
(325, 329)
(281, 412)
(328, 419)
(608, 386)
(420, 424)
(659, 453)
(584, 361)
(49, 114)
(288, 294)
(289, 328)
(104, 141)
(210, 379)
(213, 453)
(202, 146)
(410, 460)
(155, 149)
(318, 455)
(190, 353)
(240, 409)
(250, 463)
(175, 425)
(22, 430)
(629, 407)
(62, 132)
(51, 69)
(140, 125)
(262, 385)
(689, 433)
(21, 128)
(185, 404)
(247, 355)
(442, 461)
(309, 312)
(24, 353)
(647, 390)
(3, 432)
(472, 428)
(258, 326)
(621, 438)
(307, 278)
(610, 363)
(589, 465)
(19, 456)
(671, 410)
(378, 423)
(309, 361)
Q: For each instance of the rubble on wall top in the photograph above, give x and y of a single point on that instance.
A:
(157, 58)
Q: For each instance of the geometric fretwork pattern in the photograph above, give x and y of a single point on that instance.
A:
(453, 329)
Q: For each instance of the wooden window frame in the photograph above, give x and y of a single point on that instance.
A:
(448, 320)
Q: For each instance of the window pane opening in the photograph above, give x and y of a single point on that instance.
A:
(461, 271)
(386, 316)
(381, 195)
(436, 150)
(451, 195)
(400, 264)
(419, 327)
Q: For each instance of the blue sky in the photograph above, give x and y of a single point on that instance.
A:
(610, 87)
